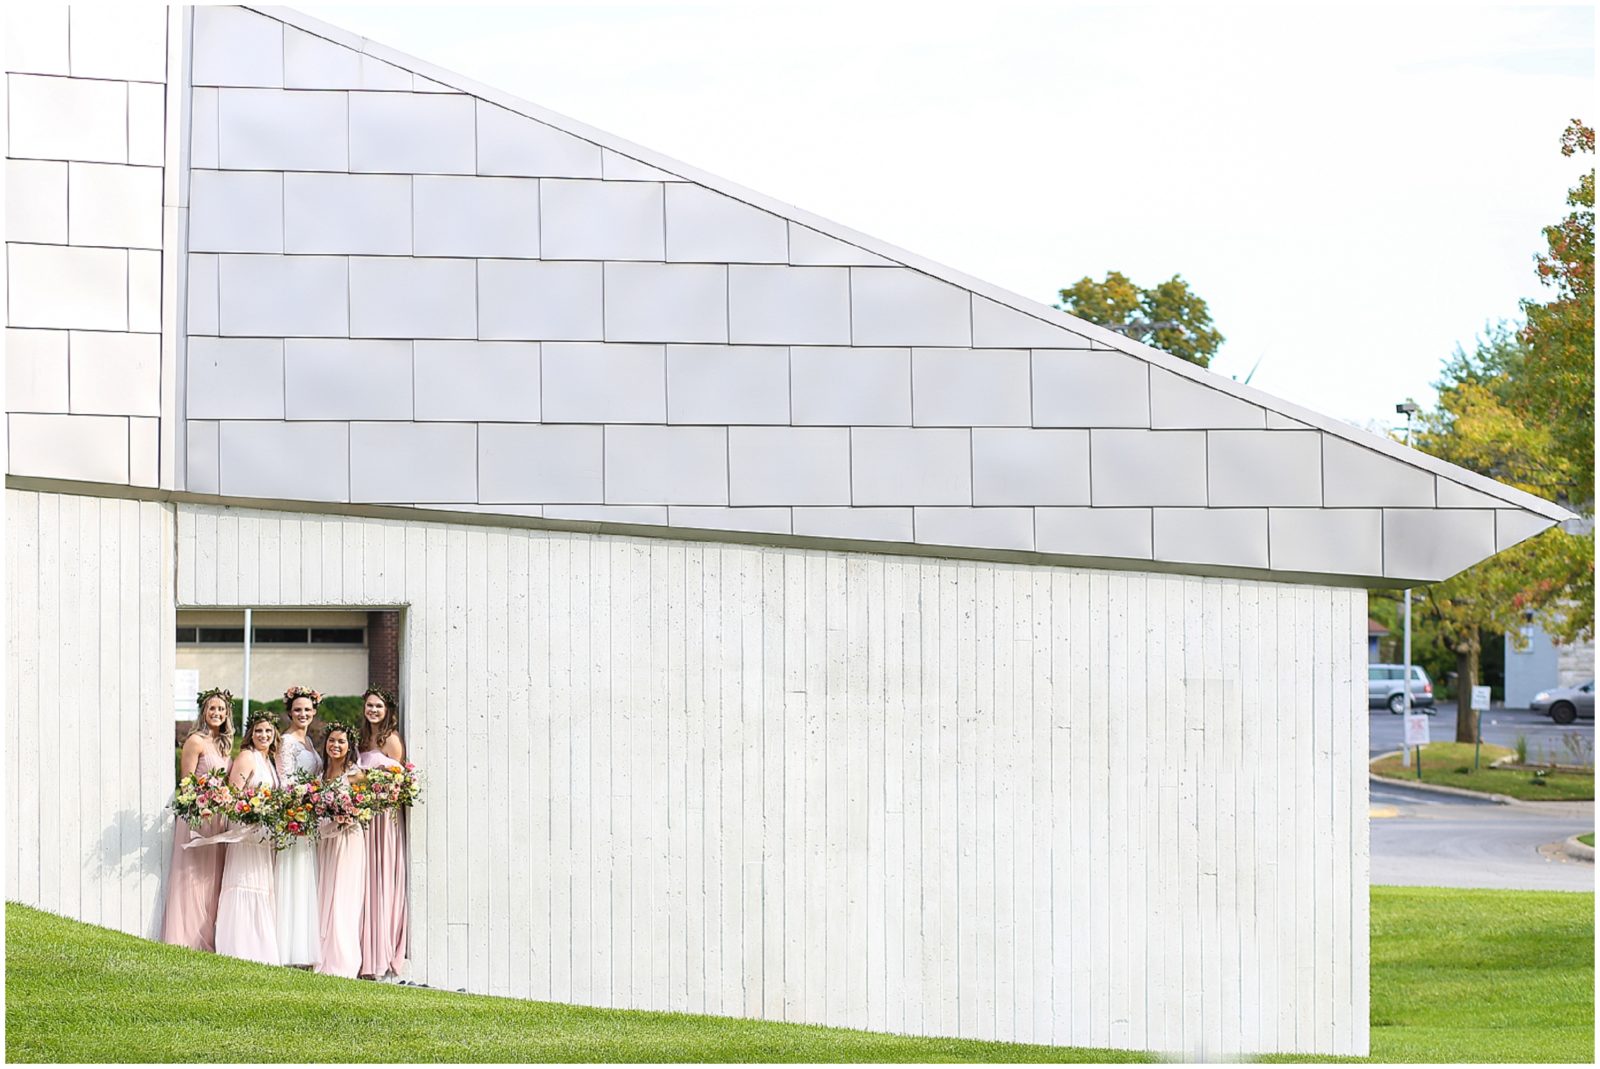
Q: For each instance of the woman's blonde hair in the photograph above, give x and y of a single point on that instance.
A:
(223, 739)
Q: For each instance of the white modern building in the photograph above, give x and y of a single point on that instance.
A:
(791, 627)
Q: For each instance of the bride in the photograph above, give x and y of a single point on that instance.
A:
(299, 940)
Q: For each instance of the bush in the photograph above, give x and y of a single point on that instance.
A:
(1522, 749)
(342, 709)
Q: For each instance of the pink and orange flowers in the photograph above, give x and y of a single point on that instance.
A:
(343, 806)
(203, 795)
(262, 807)
(394, 787)
(299, 801)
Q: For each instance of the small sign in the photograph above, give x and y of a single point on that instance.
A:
(1480, 698)
(1417, 729)
(185, 685)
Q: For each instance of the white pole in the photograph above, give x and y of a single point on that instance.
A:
(244, 701)
(1405, 684)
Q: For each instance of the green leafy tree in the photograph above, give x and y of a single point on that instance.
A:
(1520, 409)
(1168, 315)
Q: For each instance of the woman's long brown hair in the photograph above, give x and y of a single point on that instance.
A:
(373, 736)
(349, 752)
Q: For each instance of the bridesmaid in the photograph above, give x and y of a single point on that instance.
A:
(247, 921)
(384, 920)
(195, 878)
(296, 886)
(341, 868)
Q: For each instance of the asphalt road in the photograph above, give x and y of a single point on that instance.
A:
(1500, 727)
(1424, 840)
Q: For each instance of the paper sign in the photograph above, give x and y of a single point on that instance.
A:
(1417, 730)
(1480, 698)
(185, 685)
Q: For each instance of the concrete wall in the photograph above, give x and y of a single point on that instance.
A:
(952, 798)
(87, 192)
(330, 669)
(89, 658)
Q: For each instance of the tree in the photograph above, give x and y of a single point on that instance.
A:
(1520, 409)
(1168, 315)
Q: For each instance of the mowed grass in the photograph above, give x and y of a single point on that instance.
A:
(1481, 976)
(1587, 840)
(80, 993)
(1449, 764)
(1457, 976)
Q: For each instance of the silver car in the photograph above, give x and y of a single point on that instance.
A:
(1565, 704)
(1383, 687)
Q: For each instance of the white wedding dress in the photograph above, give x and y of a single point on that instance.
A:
(299, 940)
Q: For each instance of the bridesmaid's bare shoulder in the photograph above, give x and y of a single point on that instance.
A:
(394, 746)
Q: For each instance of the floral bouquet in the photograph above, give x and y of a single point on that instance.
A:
(343, 806)
(202, 795)
(263, 808)
(394, 787)
(299, 811)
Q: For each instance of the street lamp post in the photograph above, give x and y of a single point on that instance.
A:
(1408, 409)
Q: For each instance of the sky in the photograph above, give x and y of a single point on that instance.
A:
(1355, 191)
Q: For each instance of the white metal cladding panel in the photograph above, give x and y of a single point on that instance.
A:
(725, 277)
(89, 662)
(927, 796)
(90, 206)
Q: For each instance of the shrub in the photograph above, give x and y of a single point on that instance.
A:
(1522, 749)
(335, 709)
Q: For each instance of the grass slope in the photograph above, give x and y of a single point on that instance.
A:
(1457, 976)
(80, 993)
(1450, 764)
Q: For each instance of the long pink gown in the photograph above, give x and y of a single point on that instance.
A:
(384, 915)
(341, 890)
(195, 878)
(247, 912)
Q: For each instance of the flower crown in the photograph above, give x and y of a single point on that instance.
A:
(257, 717)
(297, 691)
(215, 692)
(388, 699)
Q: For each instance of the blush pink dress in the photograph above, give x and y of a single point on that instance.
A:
(384, 913)
(195, 878)
(247, 912)
(341, 890)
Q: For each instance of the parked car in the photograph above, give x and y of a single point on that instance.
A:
(1383, 687)
(1565, 704)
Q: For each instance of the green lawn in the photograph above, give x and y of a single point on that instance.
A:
(1587, 840)
(1456, 976)
(1450, 764)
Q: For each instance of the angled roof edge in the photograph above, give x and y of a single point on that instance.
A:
(1102, 337)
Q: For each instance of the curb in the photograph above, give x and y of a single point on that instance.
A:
(1578, 850)
(1433, 788)
(1458, 792)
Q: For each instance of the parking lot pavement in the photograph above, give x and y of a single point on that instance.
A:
(1547, 740)
(1434, 840)
(1430, 840)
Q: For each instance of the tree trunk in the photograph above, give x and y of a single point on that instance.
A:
(1466, 678)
